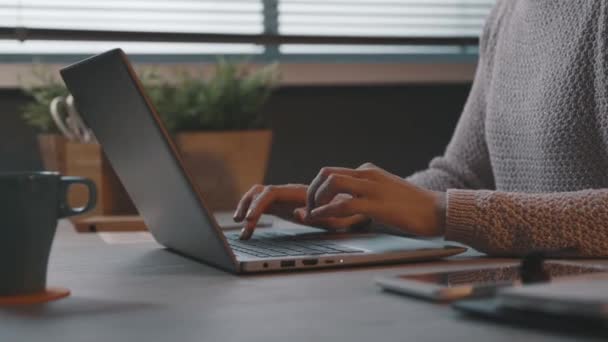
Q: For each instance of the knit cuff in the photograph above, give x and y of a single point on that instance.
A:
(460, 216)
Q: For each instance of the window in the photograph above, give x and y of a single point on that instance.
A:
(283, 29)
(377, 18)
(182, 16)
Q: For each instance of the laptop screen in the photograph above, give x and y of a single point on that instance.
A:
(113, 104)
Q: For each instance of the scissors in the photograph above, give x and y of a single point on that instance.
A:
(69, 122)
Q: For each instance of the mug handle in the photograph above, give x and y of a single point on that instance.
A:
(64, 208)
(56, 103)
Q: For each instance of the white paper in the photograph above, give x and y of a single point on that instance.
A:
(121, 238)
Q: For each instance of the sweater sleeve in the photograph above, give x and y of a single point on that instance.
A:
(466, 163)
(513, 224)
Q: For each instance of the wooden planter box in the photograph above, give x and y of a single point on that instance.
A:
(86, 160)
(226, 164)
(223, 164)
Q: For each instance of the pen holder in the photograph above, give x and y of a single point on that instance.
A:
(87, 160)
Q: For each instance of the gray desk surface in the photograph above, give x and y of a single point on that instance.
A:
(141, 292)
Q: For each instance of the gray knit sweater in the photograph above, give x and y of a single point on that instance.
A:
(527, 167)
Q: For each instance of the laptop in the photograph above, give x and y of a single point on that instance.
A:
(113, 103)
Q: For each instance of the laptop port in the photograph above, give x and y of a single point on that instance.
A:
(288, 263)
(310, 262)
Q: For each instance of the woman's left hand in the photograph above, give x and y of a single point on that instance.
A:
(378, 194)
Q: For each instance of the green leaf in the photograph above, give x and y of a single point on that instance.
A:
(230, 98)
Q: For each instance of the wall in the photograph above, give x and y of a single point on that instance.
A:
(398, 127)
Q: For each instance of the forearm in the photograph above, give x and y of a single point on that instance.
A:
(501, 223)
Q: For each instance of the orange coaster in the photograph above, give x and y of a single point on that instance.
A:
(49, 295)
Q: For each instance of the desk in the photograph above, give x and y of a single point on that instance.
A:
(141, 292)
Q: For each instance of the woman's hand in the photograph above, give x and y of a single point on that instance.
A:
(288, 202)
(377, 194)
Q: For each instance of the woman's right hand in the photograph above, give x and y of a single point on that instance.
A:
(288, 202)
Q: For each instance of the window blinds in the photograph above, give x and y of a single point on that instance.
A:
(180, 16)
(381, 18)
(308, 18)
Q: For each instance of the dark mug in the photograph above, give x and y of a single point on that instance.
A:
(30, 205)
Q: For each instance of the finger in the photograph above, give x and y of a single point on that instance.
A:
(330, 222)
(299, 215)
(244, 203)
(342, 184)
(328, 171)
(317, 181)
(256, 208)
(344, 208)
(264, 201)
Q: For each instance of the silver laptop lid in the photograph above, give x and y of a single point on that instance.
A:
(112, 102)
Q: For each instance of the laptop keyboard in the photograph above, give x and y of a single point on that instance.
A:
(275, 244)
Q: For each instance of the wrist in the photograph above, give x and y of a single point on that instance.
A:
(440, 211)
(430, 217)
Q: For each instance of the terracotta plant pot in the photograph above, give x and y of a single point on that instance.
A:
(86, 160)
(225, 164)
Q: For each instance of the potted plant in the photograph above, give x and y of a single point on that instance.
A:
(217, 123)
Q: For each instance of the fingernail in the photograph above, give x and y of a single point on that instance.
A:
(249, 212)
(244, 234)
